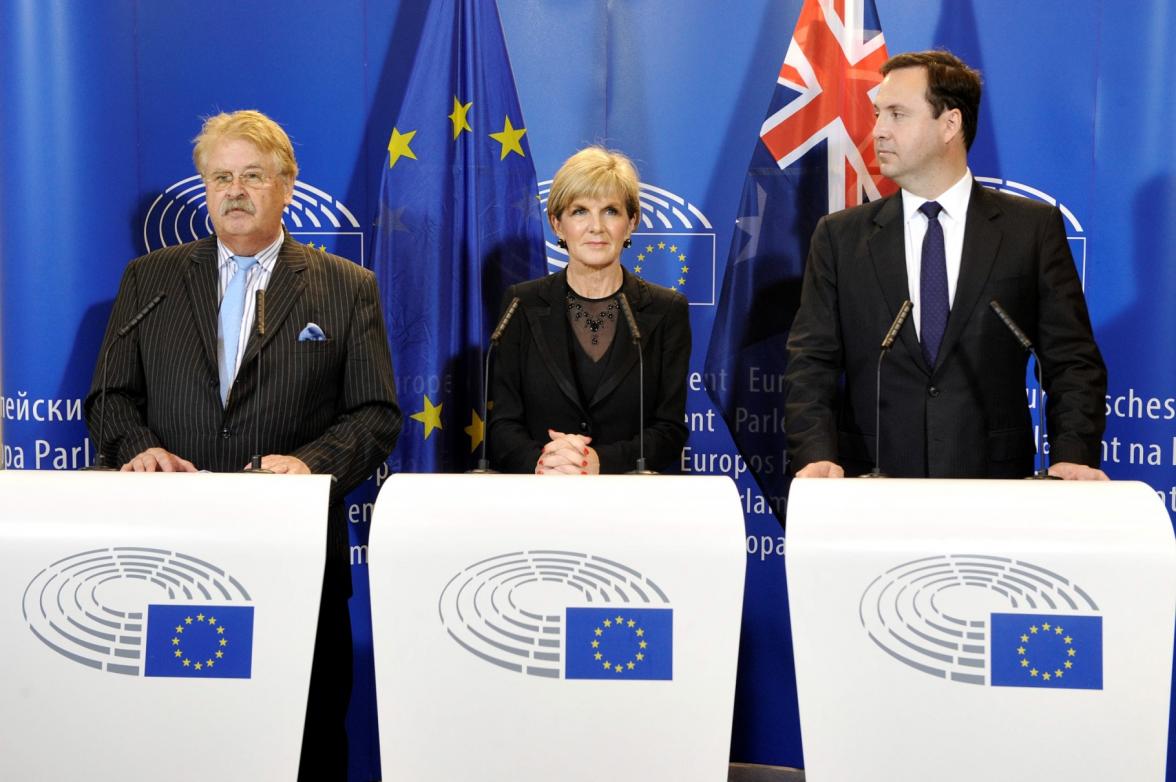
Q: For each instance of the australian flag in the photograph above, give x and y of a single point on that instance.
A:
(814, 155)
(459, 221)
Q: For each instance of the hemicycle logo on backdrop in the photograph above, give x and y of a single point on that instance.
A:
(105, 609)
(180, 214)
(673, 246)
(1075, 233)
(986, 619)
(561, 614)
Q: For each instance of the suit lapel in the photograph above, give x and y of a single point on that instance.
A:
(286, 285)
(887, 246)
(202, 284)
(549, 323)
(981, 241)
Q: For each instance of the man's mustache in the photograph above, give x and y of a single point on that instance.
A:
(243, 203)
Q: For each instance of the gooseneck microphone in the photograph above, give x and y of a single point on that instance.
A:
(127, 328)
(887, 343)
(1042, 473)
(259, 323)
(635, 335)
(483, 467)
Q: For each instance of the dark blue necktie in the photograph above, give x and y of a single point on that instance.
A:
(933, 303)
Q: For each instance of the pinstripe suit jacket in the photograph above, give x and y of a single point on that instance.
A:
(332, 404)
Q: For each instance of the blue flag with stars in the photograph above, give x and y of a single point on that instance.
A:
(1041, 650)
(199, 641)
(459, 221)
(619, 643)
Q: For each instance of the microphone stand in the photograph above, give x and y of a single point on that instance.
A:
(1042, 472)
(635, 334)
(483, 467)
(887, 343)
(100, 464)
(259, 320)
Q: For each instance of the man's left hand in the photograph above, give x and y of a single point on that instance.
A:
(1070, 471)
(280, 464)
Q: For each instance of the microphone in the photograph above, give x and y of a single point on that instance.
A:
(259, 323)
(635, 335)
(887, 343)
(100, 462)
(483, 467)
(1042, 473)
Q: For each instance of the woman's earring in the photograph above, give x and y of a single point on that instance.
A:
(563, 243)
(628, 243)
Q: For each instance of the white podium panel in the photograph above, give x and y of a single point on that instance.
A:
(981, 630)
(157, 627)
(529, 629)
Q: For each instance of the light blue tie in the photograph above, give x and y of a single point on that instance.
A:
(229, 335)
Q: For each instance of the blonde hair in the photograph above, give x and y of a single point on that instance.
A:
(594, 172)
(252, 126)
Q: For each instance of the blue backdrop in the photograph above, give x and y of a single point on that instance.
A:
(98, 102)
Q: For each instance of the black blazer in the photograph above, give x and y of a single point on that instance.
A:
(534, 386)
(332, 404)
(967, 416)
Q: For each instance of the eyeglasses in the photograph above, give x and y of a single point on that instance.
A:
(252, 179)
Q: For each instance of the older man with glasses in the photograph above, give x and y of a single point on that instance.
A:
(180, 398)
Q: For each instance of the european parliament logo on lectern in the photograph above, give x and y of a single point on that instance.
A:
(939, 615)
(497, 610)
(92, 608)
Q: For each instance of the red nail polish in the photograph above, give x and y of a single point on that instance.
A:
(583, 472)
(585, 451)
(584, 463)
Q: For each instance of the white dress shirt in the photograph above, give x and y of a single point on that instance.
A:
(257, 279)
(954, 201)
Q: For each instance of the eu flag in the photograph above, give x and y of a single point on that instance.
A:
(199, 641)
(1046, 650)
(619, 643)
(814, 155)
(459, 221)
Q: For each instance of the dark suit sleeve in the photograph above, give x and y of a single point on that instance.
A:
(815, 359)
(1075, 376)
(121, 411)
(511, 446)
(665, 412)
(366, 429)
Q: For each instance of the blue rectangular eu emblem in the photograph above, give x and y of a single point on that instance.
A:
(200, 641)
(1056, 651)
(619, 643)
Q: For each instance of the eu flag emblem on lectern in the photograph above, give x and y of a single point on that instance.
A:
(200, 641)
(620, 643)
(1042, 650)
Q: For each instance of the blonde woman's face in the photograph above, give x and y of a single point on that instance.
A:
(595, 230)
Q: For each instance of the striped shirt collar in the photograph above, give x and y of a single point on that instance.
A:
(265, 259)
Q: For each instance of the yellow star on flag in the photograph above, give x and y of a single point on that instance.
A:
(430, 416)
(398, 146)
(458, 117)
(475, 430)
(509, 138)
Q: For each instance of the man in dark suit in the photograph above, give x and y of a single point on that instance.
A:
(184, 395)
(953, 393)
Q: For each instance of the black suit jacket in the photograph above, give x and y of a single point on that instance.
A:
(332, 404)
(534, 387)
(967, 416)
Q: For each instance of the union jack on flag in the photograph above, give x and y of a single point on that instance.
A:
(832, 65)
(814, 155)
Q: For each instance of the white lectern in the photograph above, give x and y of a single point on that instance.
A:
(981, 630)
(583, 629)
(157, 627)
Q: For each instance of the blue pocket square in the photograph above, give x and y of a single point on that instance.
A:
(312, 333)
